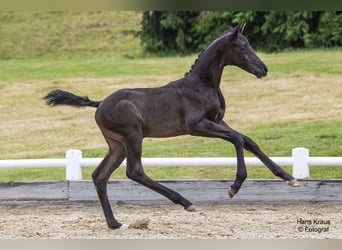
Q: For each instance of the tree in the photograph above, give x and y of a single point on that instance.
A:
(187, 32)
(168, 32)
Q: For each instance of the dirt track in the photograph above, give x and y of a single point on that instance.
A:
(252, 221)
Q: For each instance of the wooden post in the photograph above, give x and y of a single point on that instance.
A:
(300, 168)
(73, 167)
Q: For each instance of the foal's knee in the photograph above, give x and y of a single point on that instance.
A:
(238, 141)
(250, 145)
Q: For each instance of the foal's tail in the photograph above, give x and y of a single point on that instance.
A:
(61, 97)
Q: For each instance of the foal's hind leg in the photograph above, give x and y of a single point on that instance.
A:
(134, 171)
(251, 146)
(113, 159)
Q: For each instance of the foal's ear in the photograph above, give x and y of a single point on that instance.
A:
(239, 28)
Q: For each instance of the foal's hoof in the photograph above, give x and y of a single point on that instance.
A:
(124, 226)
(231, 192)
(293, 183)
(117, 225)
(191, 208)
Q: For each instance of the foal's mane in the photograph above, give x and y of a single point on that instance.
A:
(204, 49)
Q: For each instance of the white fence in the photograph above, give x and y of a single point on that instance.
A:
(300, 162)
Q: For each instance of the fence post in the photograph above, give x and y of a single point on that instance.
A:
(300, 168)
(73, 169)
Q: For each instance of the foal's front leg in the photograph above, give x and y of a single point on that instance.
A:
(211, 129)
(251, 146)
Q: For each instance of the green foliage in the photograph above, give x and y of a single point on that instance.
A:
(266, 30)
(168, 32)
(328, 33)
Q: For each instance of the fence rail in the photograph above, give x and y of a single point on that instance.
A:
(300, 162)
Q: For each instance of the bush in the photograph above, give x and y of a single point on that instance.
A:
(328, 33)
(187, 32)
(168, 32)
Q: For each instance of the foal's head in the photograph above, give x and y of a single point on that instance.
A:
(241, 54)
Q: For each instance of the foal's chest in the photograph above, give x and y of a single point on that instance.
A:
(216, 111)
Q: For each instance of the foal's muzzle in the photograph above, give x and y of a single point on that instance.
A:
(261, 72)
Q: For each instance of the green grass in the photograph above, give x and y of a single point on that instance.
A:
(297, 104)
(64, 68)
(49, 68)
(321, 137)
(277, 138)
(319, 62)
(69, 34)
(274, 140)
(166, 173)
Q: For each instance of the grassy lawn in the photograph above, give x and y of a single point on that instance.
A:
(32, 34)
(281, 112)
(166, 173)
(297, 105)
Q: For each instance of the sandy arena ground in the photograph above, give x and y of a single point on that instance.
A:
(247, 221)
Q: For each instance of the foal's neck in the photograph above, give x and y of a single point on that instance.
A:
(209, 66)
